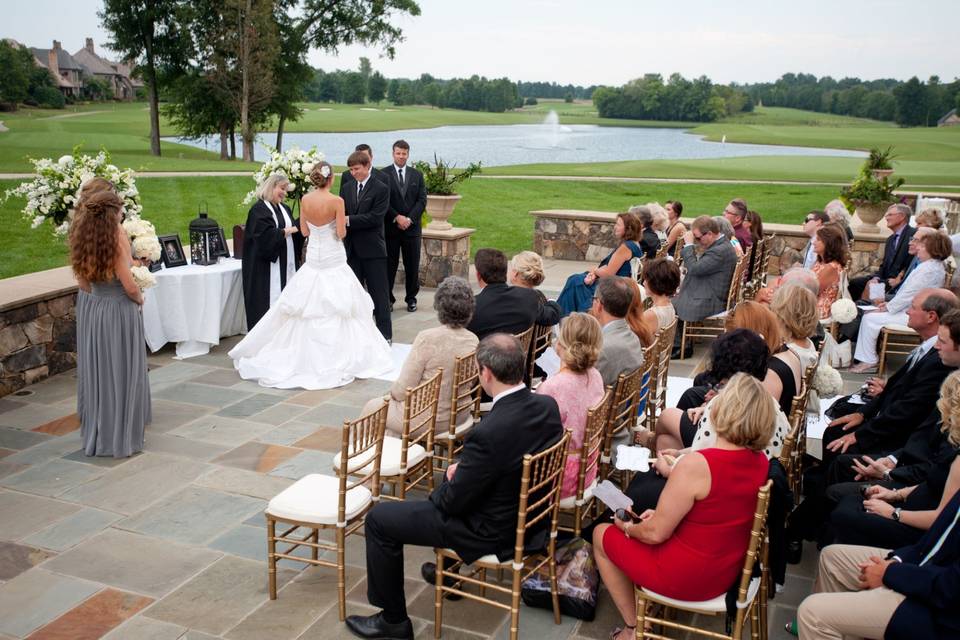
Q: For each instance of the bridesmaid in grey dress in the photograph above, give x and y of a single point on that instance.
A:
(113, 394)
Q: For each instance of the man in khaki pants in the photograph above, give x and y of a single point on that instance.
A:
(912, 592)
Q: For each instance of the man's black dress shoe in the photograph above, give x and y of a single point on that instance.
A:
(411, 306)
(376, 628)
(429, 572)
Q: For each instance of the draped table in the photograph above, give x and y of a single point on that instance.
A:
(194, 306)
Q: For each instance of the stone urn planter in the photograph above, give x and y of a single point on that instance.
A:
(440, 208)
(880, 174)
(869, 213)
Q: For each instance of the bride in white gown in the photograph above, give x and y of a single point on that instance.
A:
(320, 332)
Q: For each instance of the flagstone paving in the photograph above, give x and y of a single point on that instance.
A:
(171, 543)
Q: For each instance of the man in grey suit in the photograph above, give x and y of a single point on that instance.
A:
(709, 260)
(621, 351)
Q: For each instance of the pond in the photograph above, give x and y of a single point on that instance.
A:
(500, 145)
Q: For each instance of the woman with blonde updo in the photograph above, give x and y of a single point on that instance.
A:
(113, 393)
(526, 270)
(576, 387)
(320, 332)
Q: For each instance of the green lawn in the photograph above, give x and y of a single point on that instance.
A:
(498, 209)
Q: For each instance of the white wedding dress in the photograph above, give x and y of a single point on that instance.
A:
(320, 333)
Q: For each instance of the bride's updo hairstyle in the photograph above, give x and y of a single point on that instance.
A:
(322, 174)
(93, 236)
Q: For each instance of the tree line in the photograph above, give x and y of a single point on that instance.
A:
(912, 103)
(23, 82)
(678, 99)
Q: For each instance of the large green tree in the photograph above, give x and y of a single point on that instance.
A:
(330, 24)
(912, 103)
(376, 87)
(15, 77)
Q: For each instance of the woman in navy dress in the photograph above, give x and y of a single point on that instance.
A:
(577, 294)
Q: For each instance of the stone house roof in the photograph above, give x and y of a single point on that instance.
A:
(951, 117)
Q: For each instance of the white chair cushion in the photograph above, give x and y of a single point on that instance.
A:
(459, 430)
(489, 559)
(570, 502)
(718, 316)
(314, 498)
(714, 605)
(389, 459)
(899, 327)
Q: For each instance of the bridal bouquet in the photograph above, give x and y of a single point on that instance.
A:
(53, 192)
(143, 278)
(144, 243)
(295, 164)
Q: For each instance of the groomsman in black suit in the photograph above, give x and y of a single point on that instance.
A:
(408, 198)
(345, 177)
(366, 199)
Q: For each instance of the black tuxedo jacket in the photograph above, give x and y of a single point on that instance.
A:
(409, 202)
(365, 217)
(896, 258)
(484, 494)
(926, 444)
(907, 398)
(932, 607)
(501, 308)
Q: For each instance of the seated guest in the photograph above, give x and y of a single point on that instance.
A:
(661, 221)
(735, 212)
(814, 221)
(757, 318)
(710, 261)
(621, 351)
(692, 546)
(832, 257)
(895, 256)
(726, 230)
(635, 315)
(794, 275)
(932, 249)
(837, 212)
(895, 517)
(754, 224)
(931, 217)
(649, 240)
(526, 270)
(900, 594)
(675, 229)
(578, 290)
(576, 387)
(474, 510)
(500, 308)
(885, 423)
(796, 309)
(434, 349)
(661, 277)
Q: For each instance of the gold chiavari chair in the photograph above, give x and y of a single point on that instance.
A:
(526, 338)
(540, 484)
(657, 396)
(623, 417)
(465, 392)
(541, 339)
(407, 461)
(340, 503)
(662, 250)
(713, 326)
(747, 593)
(579, 504)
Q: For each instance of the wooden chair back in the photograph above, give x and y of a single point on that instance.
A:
(525, 338)
(541, 339)
(359, 437)
(623, 412)
(419, 421)
(540, 485)
(657, 397)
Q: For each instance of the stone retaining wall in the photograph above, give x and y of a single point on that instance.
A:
(37, 339)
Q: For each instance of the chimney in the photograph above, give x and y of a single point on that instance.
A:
(56, 45)
(52, 64)
(89, 45)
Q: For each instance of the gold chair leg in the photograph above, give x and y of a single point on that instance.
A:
(438, 599)
(554, 588)
(641, 604)
(315, 538)
(515, 606)
(483, 579)
(883, 354)
(272, 556)
(341, 573)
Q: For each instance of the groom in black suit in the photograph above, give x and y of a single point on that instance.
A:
(366, 199)
(408, 198)
(474, 510)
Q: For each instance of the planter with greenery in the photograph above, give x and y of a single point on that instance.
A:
(870, 195)
(881, 162)
(441, 182)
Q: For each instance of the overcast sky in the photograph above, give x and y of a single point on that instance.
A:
(582, 42)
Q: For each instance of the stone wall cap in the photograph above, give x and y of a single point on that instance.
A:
(19, 291)
(447, 234)
(577, 214)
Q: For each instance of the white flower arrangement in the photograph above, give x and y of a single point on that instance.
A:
(843, 311)
(54, 190)
(295, 164)
(827, 381)
(143, 278)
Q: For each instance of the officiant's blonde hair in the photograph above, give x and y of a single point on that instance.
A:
(267, 186)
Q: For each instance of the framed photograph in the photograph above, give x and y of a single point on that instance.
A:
(219, 247)
(172, 251)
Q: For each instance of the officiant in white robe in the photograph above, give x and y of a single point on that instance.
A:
(271, 248)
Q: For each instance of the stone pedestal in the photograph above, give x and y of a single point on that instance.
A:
(442, 253)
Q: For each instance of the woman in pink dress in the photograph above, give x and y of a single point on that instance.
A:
(576, 387)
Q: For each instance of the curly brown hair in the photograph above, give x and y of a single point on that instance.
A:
(94, 185)
(93, 236)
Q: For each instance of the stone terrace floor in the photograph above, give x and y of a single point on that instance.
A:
(171, 542)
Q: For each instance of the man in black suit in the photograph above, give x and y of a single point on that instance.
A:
(366, 200)
(886, 422)
(408, 198)
(500, 307)
(905, 594)
(895, 256)
(346, 177)
(474, 510)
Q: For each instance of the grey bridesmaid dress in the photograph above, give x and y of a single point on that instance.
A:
(113, 392)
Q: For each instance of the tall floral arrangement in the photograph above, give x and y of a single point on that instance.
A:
(295, 164)
(55, 188)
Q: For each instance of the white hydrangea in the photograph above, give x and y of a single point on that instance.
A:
(295, 164)
(147, 247)
(143, 278)
(827, 381)
(843, 311)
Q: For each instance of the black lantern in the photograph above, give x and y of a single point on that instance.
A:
(204, 234)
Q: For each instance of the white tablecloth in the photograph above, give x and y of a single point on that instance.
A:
(194, 306)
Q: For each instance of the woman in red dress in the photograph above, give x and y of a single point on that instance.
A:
(691, 547)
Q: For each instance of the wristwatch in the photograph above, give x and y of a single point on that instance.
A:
(896, 514)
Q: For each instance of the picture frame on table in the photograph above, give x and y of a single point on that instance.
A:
(172, 251)
(219, 247)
